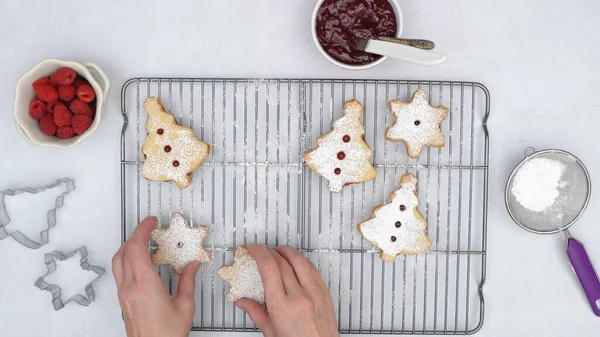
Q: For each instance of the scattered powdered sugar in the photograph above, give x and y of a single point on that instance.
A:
(535, 185)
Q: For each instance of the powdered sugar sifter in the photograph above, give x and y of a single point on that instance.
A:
(573, 190)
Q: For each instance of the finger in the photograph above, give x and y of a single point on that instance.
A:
(304, 269)
(269, 272)
(257, 313)
(187, 281)
(137, 257)
(141, 233)
(290, 282)
(117, 267)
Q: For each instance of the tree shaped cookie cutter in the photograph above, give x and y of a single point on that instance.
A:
(51, 217)
(50, 260)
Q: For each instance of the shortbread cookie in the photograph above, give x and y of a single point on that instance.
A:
(342, 155)
(417, 123)
(243, 277)
(172, 151)
(180, 244)
(398, 227)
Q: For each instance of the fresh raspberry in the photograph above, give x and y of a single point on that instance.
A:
(51, 106)
(65, 132)
(47, 92)
(37, 109)
(62, 115)
(63, 76)
(86, 93)
(66, 92)
(79, 107)
(47, 125)
(81, 123)
(79, 83)
(43, 80)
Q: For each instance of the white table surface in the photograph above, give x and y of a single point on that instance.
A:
(538, 58)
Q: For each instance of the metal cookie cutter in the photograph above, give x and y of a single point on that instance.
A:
(17, 235)
(50, 260)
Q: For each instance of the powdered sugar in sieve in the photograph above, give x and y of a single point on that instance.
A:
(547, 191)
(536, 183)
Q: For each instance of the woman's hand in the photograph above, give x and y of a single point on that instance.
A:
(148, 309)
(298, 302)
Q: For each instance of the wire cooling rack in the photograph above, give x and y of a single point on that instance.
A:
(254, 187)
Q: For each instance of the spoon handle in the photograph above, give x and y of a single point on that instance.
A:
(417, 43)
(403, 52)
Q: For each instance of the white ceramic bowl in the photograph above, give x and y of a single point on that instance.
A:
(29, 127)
(313, 28)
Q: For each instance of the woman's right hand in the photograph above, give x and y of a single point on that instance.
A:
(298, 302)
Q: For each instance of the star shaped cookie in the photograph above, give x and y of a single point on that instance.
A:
(244, 277)
(180, 244)
(417, 123)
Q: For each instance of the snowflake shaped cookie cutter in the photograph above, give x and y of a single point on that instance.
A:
(50, 261)
(51, 216)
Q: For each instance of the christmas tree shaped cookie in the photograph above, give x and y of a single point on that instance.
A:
(180, 244)
(417, 123)
(397, 227)
(342, 156)
(172, 151)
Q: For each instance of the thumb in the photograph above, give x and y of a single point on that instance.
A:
(187, 280)
(257, 313)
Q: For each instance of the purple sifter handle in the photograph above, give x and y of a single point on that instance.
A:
(585, 272)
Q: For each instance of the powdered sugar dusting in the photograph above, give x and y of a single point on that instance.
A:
(397, 227)
(355, 165)
(535, 185)
(243, 277)
(183, 147)
(180, 244)
(417, 123)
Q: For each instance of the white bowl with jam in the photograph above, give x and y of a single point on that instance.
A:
(337, 25)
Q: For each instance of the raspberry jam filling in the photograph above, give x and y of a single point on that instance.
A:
(342, 23)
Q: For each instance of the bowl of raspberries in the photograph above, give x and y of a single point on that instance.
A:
(59, 103)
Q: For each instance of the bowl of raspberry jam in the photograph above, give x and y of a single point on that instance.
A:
(337, 25)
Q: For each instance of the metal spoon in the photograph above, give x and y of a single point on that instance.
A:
(417, 43)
